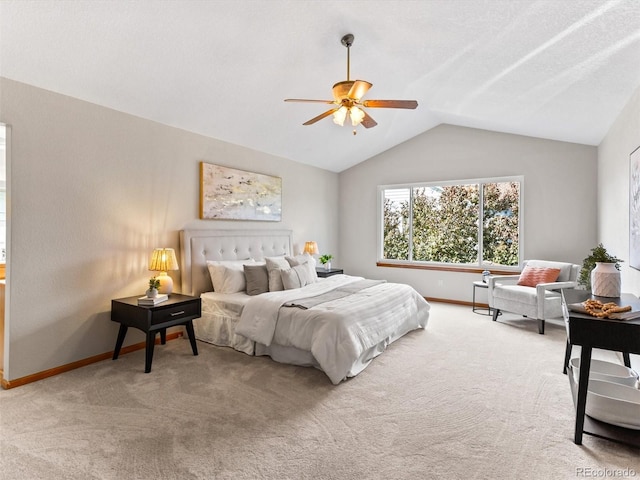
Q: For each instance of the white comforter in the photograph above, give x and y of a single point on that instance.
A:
(338, 333)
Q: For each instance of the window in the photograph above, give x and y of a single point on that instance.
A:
(466, 223)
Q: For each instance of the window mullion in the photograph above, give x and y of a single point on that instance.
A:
(480, 224)
(410, 225)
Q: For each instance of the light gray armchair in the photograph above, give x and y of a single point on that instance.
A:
(540, 302)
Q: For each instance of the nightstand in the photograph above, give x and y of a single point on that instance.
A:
(151, 319)
(323, 272)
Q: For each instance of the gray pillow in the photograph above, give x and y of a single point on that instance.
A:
(296, 277)
(299, 259)
(257, 278)
(304, 259)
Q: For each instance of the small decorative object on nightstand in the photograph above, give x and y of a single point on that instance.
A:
(324, 272)
(154, 284)
(147, 300)
(326, 261)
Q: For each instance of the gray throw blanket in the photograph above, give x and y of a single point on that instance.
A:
(340, 292)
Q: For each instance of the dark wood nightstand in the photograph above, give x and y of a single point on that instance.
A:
(323, 272)
(178, 310)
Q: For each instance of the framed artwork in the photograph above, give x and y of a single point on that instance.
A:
(231, 194)
(634, 209)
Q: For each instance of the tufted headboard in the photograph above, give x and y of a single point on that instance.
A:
(198, 246)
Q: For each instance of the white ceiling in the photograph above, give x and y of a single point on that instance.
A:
(558, 69)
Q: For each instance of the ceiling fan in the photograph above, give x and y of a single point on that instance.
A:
(347, 98)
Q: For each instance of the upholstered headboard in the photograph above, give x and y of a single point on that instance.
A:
(198, 246)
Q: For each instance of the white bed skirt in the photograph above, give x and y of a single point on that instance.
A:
(221, 314)
(218, 325)
(295, 356)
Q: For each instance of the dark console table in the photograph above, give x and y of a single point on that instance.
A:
(591, 332)
(177, 310)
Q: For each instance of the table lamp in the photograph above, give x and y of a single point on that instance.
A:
(311, 248)
(162, 260)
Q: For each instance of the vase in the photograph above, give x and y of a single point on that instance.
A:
(327, 266)
(152, 293)
(605, 280)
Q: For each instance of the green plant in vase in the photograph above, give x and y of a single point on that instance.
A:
(154, 285)
(599, 254)
(326, 260)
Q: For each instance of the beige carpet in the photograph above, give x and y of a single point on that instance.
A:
(466, 398)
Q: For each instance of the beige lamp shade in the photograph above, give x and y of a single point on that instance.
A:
(311, 248)
(163, 260)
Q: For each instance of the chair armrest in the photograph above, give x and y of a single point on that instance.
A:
(540, 292)
(554, 286)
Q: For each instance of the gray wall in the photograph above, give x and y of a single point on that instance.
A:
(559, 198)
(613, 188)
(613, 192)
(91, 192)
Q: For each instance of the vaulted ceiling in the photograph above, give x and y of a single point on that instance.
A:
(557, 69)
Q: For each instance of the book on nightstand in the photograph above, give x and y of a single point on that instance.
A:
(163, 297)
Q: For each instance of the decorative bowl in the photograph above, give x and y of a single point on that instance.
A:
(613, 395)
(605, 371)
(614, 403)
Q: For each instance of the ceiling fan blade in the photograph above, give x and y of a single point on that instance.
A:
(367, 121)
(307, 100)
(390, 104)
(321, 116)
(358, 89)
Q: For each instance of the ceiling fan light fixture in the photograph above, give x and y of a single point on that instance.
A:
(340, 115)
(356, 115)
(347, 99)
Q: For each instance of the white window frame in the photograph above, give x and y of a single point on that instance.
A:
(480, 181)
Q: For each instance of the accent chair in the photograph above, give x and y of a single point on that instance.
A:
(535, 293)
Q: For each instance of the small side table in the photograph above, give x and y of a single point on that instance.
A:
(324, 273)
(151, 319)
(479, 310)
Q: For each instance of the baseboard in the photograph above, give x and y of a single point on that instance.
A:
(455, 302)
(7, 384)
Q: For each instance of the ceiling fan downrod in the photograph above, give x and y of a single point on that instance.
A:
(347, 41)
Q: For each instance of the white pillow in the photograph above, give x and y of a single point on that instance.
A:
(274, 266)
(228, 276)
(297, 276)
(305, 259)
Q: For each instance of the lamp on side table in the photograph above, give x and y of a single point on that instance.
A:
(163, 260)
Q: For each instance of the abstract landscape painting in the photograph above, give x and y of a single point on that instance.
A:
(231, 194)
(634, 210)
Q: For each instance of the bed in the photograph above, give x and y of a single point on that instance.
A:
(338, 324)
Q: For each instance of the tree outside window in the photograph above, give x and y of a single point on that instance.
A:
(466, 223)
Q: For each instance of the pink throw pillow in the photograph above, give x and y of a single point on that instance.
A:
(532, 276)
